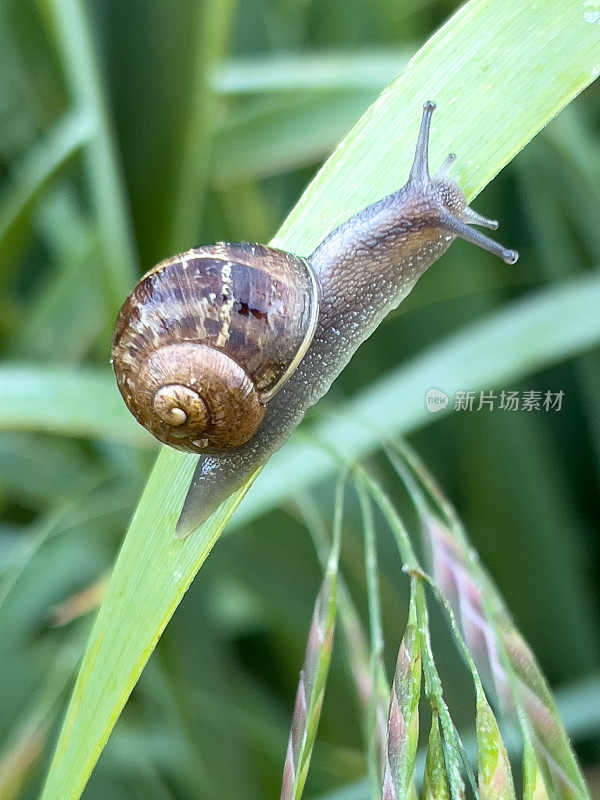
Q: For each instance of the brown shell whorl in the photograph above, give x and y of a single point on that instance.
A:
(194, 397)
(207, 337)
(176, 405)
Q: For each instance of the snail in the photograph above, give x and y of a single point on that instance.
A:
(221, 349)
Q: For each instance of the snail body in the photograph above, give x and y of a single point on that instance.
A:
(283, 346)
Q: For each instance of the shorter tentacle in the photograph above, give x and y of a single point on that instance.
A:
(470, 215)
(445, 166)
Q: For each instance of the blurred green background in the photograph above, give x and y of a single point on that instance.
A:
(236, 106)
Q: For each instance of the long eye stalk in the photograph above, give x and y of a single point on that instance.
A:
(419, 173)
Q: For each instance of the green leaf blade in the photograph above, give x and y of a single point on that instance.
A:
(137, 591)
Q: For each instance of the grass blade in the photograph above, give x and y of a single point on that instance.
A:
(311, 687)
(403, 721)
(82, 402)
(70, 32)
(380, 693)
(34, 173)
(356, 646)
(435, 777)
(534, 781)
(313, 675)
(214, 17)
(323, 72)
(95, 705)
(452, 747)
(494, 775)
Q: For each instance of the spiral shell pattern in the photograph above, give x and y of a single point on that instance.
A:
(208, 337)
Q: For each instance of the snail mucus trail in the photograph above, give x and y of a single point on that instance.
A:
(220, 350)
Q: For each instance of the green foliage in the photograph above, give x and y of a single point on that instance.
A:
(129, 131)
(313, 675)
(403, 721)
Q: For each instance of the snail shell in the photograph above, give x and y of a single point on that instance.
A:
(206, 338)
